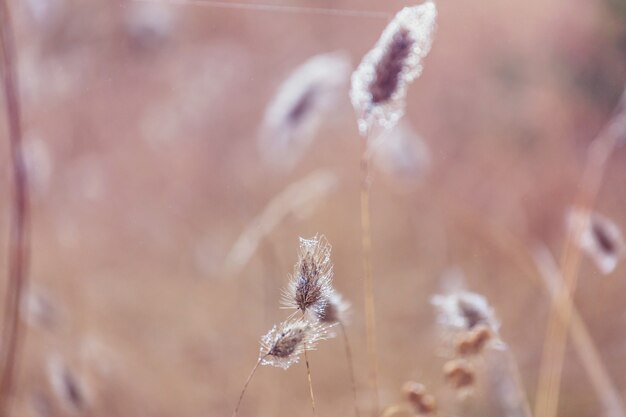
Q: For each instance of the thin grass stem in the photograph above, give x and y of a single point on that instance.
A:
(276, 8)
(541, 264)
(308, 374)
(19, 249)
(368, 283)
(245, 386)
(349, 359)
(551, 369)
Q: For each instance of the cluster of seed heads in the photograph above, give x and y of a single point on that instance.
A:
(310, 292)
(474, 327)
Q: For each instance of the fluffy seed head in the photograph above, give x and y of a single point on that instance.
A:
(283, 344)
(380, 82)
(601, 238)
(310, 286)
(299, 107)
(390, 66)
(465, 310)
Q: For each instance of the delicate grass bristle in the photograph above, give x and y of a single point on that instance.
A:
(310, 286)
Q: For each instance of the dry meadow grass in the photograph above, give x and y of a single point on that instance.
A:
(141, 124)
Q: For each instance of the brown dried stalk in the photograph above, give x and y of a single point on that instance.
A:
(18, 238)
(605, 389)
(561, 312)
(514, 248)
(368, 283)
(336, 312)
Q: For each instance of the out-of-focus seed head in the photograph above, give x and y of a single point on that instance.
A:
(459, 374)
(402, 156)
(422, 402)
(379, 84)
(598, 236)
(71, 391)
(283, 344)
(465, 310)
(310, 286)
(474, 341)
(335, 309)
(303, 101)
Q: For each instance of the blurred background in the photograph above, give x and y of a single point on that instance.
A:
(141, 135)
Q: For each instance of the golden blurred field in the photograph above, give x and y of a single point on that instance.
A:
(141, 123)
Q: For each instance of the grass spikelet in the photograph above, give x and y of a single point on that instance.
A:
(601, 239)
(460, 375)
(465, 310)
(379, 84)
(282, 346)
(422, 402)
(284, 343)
(299, 107)
(335, 309)
(310, 286)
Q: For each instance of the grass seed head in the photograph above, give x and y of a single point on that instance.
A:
(300, 106)
(379, 84)
(310, 286)
(599, 237)
(335, 309)
(283, 344)
(465, 310)
(422, 402)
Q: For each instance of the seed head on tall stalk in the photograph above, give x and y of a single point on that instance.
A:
(378, 93)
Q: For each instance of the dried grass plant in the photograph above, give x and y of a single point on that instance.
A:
(378, 90)
(472, 330)
(599, 152)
